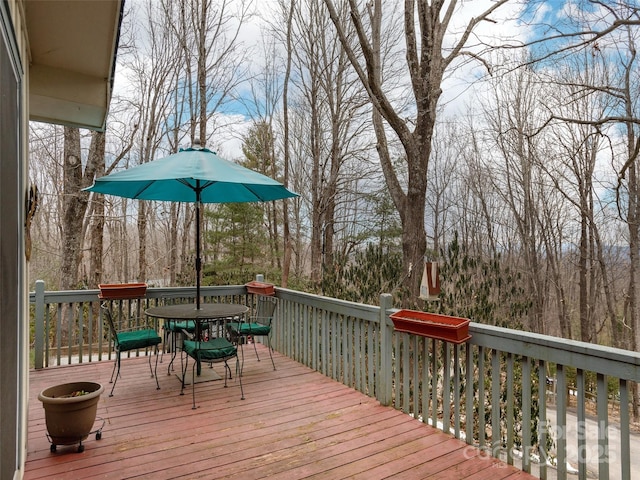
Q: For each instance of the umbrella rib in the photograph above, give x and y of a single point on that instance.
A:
(186, 183)
(248, 187)
(142, 190)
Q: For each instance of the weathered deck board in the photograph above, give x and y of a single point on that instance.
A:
(294, 423)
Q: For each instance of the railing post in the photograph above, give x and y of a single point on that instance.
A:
(386, 361)
(39, 325)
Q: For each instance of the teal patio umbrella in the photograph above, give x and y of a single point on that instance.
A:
(192, 175)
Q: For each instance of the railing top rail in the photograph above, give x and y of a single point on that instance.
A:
(67, 296)
(616, 362)
(370, 313)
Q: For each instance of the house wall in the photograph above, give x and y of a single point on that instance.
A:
(14, 320)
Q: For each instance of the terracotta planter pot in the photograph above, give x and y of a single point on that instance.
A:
(432, 325)
(122, 291)
(260, 288)
(70, 416)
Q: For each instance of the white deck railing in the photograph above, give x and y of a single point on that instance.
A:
(486, 391)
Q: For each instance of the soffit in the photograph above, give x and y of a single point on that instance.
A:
(72, 47)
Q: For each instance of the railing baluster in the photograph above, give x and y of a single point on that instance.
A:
(495, 403)
(446, 387)
(101, 334)
(526, 414)
(542, 418)
(603, 427)
(561, 422)
(406, 372)
(335, 346)
(426, 391)
(346, 350)
(358, 355)
(415, 376)
(397, 371)
(434, 383)
(59, 323)
(456, 390)
(482, 427)
(372, 354)
(305, 337)
(625, 441)
(325, 343)
(510, 408)
(315, 337)
(47, 351)
(90, 331)
(81, 330)
(39, 325)
(469, 390)
(581, 426)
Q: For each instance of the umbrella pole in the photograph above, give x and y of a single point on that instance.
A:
(198, 260)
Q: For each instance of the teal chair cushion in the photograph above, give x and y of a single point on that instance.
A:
(215, 349)
(256, 329)
(137, 339)
(179, 326)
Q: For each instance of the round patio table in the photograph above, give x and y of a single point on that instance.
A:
(206, 312)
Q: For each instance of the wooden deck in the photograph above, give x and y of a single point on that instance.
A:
(294, 423)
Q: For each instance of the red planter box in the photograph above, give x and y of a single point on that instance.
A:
(120, 291)
(260, 288)
(441, 327)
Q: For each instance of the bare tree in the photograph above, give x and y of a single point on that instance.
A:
(96, 223)
(425, 26)
(155, 67)
(513, 115)
(447, 150)
(46, 146)
(332, 103)
(212, 64)
(75, 200)
(288, 15)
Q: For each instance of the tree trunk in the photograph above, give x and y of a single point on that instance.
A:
(75, 201)
(143, 207)
(73, 207)
(96, 234)
(317, 216)
(287, 247)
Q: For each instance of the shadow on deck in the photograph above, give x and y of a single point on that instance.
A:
(294, 423)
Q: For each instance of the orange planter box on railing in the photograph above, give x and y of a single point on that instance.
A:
(122, 291)
(260, 288)
(432, 325)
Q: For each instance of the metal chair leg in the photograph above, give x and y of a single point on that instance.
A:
(115, 364)
(253, 340)
(155, 371)
(270, 350)
(239, 378)
(117, 374)
(193, 385)
(174, 352)
(184, 372)
(242, 354)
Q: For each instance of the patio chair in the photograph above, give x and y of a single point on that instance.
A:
(214, 350)
(256, 326)
(129, 339)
